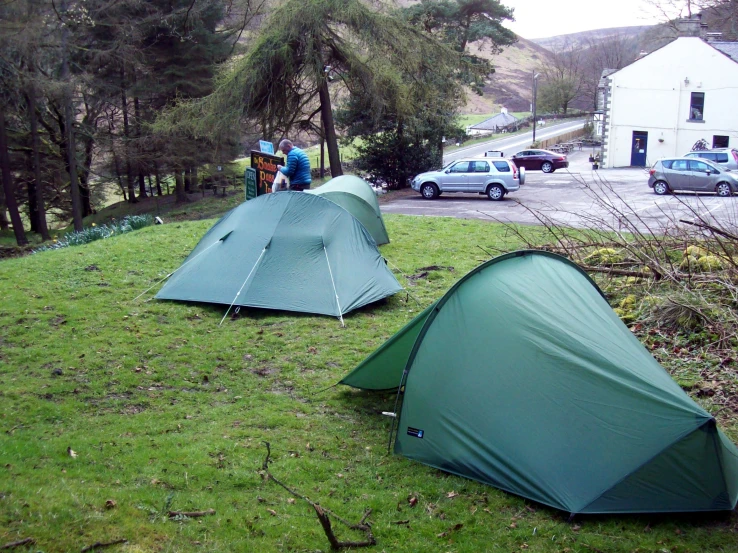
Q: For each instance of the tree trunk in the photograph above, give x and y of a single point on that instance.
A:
(126, 137)
(4, 225)
(15, 218)
(158, 180)
(188, 179)
(84, 181)
(119, 177)
(194, 181)
(326, 114)
(69, 129)
(40, 210)
(137, 125)
(179, 191)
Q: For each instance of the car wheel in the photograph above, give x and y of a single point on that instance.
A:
(547, 167)
(429, 191)
(495, 192)
(723, 189)
(661, 188)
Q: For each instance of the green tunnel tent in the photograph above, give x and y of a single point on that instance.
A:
(288, 251)
(522, 377)
(357, 197)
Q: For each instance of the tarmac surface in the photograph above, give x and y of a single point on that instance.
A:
(615, 199)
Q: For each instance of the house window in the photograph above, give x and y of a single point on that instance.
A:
(719, 141)
(697, 106)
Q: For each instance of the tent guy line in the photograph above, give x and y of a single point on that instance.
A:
(181, 266)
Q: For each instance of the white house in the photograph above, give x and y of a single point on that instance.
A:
(500, 122)
(664, 102)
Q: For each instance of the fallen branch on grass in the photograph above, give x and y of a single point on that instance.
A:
(323, 514)
(24, 541)
(191, 514)
(703, 225)
(618, 272)
(103, 544)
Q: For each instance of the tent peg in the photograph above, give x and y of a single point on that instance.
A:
(389, 414)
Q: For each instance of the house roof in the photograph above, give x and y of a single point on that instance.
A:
(730, 49)
(603, 77)
(499, 120)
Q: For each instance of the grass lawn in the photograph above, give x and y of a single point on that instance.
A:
(165, 410)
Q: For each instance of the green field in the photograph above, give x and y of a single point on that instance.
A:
(165, 410)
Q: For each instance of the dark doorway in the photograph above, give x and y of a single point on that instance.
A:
(638, 149)
(719, 141)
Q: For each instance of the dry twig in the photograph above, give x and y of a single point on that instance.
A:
(191, 514)
(24, 541)
(103, 544)
(323, 514)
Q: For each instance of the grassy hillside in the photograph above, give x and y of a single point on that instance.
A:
(511, 83)
(116, 411)
(585, 37)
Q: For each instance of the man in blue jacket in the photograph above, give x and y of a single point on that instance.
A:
(297, 168)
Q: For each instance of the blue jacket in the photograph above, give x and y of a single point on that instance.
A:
(297, 168)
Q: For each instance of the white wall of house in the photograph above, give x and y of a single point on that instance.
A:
(653, 94)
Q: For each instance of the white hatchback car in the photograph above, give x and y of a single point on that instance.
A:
(493, 177)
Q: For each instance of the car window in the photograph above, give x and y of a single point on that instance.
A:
(481, 167)
(700, 166)
(537, 153)
(460, 167)
(680, 165)
(721, 157)
(523, 153)
(667, 163)
(501, 166)
(708, 155)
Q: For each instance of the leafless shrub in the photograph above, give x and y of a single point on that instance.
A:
(683, 261)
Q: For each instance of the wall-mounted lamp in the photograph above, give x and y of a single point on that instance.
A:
(686, 80)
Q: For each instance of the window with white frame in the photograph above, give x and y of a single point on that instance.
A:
(697, 106)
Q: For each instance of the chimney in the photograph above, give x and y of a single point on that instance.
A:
(691, 26)
(713, 36)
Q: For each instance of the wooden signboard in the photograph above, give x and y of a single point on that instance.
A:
(266, 170)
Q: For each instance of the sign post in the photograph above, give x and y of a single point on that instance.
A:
(266, 169)
(250, 183)
(266, 147)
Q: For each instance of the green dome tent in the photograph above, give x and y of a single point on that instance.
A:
(522, 376)
(290, 251)
(357, 197)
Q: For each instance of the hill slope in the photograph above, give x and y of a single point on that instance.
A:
(584, 38)
(510, 85)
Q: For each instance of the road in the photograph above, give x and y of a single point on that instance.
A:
(618, 199)
(515, 143)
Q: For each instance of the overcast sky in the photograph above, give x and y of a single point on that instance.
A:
(544, 18)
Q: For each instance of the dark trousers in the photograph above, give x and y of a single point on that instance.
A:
(299, 187)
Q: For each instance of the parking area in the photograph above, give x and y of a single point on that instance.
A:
(579, 197)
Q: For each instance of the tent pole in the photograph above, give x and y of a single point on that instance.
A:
(241, 288)
(394, 410)
(178, 268)
(340, 314)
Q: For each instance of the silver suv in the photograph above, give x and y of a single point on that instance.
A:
(493, 177)
(725, 157)
(684, 173)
